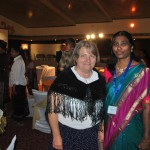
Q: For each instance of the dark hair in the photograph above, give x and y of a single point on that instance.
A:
(71, 41)
(131, 41)
(3, 44)
(16, 48)
(126, 34)
(111, 64)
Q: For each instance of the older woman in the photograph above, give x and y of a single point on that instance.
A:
(75, 102)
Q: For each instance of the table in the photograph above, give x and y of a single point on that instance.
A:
(46, 84)
(44, 71)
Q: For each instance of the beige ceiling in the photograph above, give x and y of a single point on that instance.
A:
(57, 13)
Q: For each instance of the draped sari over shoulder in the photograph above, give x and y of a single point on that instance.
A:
(124, 130)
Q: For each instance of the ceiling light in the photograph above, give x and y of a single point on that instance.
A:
(92, 36)
(30, 14)
(88, 37)
(133, 9)
(70, 5)
(132, 25)
(101, 35)
(24, 46)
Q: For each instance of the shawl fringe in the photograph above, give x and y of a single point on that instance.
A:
(71, 97)
(75, 108)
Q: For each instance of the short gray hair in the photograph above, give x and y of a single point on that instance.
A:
(88, 45)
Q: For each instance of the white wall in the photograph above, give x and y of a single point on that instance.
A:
(44, 49)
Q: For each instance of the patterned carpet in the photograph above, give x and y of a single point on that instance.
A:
(27, 138)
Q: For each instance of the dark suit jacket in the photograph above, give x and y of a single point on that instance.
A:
(3, 67)
(58, 55)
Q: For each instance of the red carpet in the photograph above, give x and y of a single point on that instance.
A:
(27, 138)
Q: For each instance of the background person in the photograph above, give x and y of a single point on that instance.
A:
(75, 102)
(58, 56)
(59, 53)
(18, 82)
(30, 73)
(127, 104)
(4, 77)
(143, 54)
(65, 60)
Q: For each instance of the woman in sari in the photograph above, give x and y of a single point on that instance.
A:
(127, 104)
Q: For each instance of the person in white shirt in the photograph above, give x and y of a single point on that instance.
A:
(18, 82)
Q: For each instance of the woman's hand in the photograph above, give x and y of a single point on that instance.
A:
(57, 139)
(101, 133)
(101, 136)
(57, 142)
(144, 145)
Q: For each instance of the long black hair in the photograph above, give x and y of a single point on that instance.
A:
(113, 60)
(18, 49)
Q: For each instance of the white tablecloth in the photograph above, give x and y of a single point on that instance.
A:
(44, 71)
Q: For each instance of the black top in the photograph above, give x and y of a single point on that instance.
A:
(3, 67)
(66, 88)
(58, 55)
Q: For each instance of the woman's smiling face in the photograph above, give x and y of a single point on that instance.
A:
(86, 60)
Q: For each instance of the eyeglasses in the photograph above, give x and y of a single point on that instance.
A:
(121, 44)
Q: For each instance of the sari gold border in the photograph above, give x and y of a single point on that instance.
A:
(129, 115)
(135, 104)
(130, 88)
(137, 101)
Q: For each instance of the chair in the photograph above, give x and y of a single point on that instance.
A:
(50, 57)
(41, 123)
(39, 119)
(40, 57)
(38, 96)
(30, 103)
